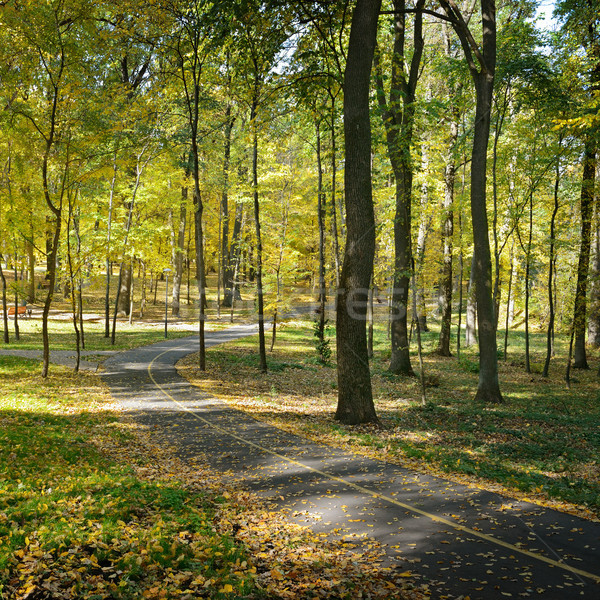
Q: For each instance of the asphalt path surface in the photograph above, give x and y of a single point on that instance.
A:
(462, 541)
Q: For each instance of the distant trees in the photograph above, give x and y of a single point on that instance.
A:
(121, 121)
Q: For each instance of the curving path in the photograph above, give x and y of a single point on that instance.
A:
(460, 540)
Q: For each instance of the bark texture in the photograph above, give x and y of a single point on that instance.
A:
(355, 399)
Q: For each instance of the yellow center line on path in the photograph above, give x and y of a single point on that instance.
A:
(359, 488)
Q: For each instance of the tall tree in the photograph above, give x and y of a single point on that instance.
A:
(355, 398)
(481, 59)
(398, 113)
(189, 45)
(51, 37)
(582, 25)
(260, 37)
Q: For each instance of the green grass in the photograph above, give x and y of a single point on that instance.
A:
(62, 335)
(74, 520)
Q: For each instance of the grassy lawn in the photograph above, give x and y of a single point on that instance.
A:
(543, 443)
(93, 506)
(62, 335)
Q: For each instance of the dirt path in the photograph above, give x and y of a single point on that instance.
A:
(460, 540)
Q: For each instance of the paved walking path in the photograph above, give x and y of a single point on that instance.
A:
(462, 541)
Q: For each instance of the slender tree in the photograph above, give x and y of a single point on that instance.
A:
(398, 113)
(481, 59)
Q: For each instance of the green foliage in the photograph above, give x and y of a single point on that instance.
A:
(322, 342)
(468, 364)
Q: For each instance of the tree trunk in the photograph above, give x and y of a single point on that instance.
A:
(398, 117)
(594, 320)
(108, 261)
(587, 205)
(259, 287)
(125, 271)
(232, 291)
(424, 226)
(509, 300)
(200, 271)
(230, 251)
(321, 208)
(355, 399)
(73, 287)
(178, 248)
(124, 299)
(488, 389)
(370, 322)
(16, 276)
(551, 266)
(334, 225)
(31, 263)
(482, 65)
(471, 316)
(6, 335)
(528, 285)
(447, 233)
(51, 273)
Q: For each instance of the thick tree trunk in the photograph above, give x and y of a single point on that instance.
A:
(398, 117)
(355, 399)
(489, 388)
(482, 65)
(587, 205)
(400, 359)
